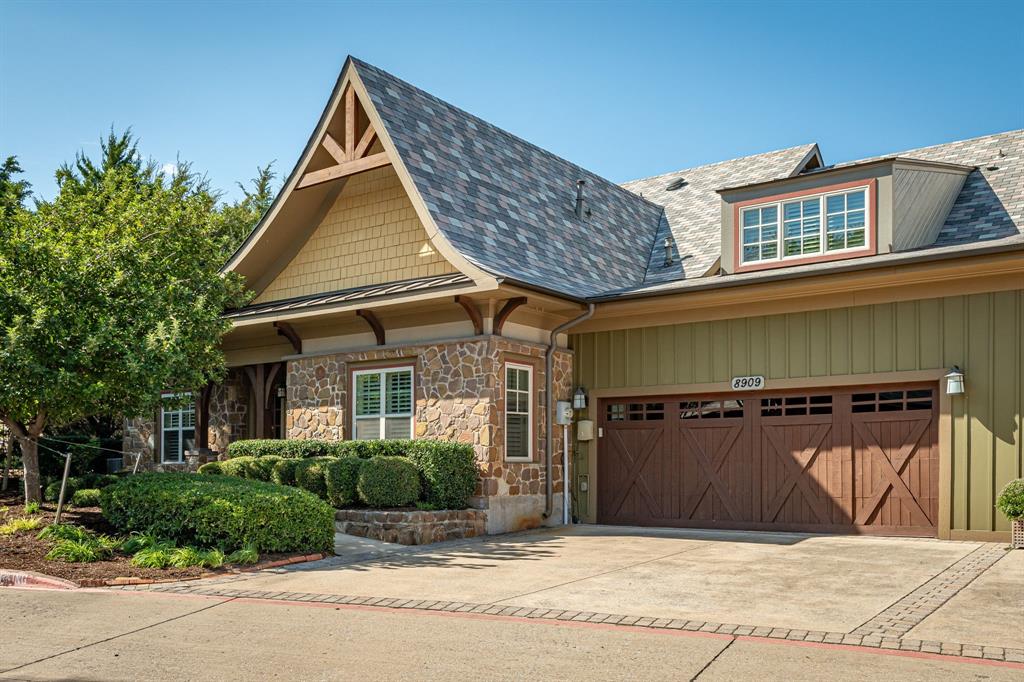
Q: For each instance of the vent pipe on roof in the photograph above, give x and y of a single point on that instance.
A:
(668, 251)
(579, 197)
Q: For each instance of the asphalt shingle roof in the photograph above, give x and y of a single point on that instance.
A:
(693, 210)
(508, 205)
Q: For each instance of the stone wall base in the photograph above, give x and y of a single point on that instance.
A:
(411, 527)
(512, 513)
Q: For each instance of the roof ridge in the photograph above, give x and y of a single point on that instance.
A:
(719, 163)
(611, 184)
(903, 153)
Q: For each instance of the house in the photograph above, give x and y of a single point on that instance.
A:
(761, 343)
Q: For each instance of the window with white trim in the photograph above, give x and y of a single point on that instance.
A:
(177, 429)
(518, 412)
(804, 232)
(382, 403)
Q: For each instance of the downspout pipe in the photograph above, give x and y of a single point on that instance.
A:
(549, 439)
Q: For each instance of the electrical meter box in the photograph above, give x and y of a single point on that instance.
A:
(584, 430)
(563, 412)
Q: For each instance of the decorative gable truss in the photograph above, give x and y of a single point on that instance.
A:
(354, 156)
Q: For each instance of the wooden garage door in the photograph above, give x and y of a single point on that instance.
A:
(852, 460)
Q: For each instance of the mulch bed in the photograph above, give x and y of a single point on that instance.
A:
(23, 552)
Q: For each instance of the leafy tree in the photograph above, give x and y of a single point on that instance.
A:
(13, 193)
(236, 220)
(109, 294)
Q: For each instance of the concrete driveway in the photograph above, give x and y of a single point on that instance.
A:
(926, 595)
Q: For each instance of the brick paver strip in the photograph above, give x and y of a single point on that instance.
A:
(908, 612)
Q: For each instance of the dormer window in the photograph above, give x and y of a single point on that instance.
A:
(805, 226)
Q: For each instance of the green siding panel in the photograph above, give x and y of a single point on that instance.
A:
(981, 333)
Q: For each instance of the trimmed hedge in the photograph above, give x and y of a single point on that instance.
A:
(311, 475)
(342, 480)
(211, 468)
(220, 511)
(388, 482)
(448, 471)
(284, 471)
(1011, 499)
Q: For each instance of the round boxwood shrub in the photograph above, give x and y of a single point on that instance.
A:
(211, 468)
(1011, 499)
(219, 511)
(388, 482)
(243, 467)
(342, 475)
(311, 475)
(262, 468)
(86, 497)
(448, 470)
(51, 492)
(297, 449)
(284, 471)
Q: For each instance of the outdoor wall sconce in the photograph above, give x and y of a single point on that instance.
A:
(579, 399)
(955, 381)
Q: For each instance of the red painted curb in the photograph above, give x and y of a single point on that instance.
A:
(31, 579)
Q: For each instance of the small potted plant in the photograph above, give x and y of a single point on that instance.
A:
(1011, 504)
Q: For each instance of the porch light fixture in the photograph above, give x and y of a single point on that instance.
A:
(579, 399)
(955, 381)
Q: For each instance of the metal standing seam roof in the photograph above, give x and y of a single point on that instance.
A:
(364, 293)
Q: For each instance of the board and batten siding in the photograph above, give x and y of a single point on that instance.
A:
(980, 332)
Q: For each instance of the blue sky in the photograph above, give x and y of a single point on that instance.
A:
(625, 89)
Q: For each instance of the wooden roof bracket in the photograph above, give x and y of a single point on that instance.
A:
(507, 310)
(473, 312)
(374, 322)
(286, 330)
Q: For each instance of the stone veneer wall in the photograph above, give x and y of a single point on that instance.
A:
(229, 421)
(459, 395)
(411, 527)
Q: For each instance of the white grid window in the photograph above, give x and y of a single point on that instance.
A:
(177, 430)
(518, 412)
(804, 232)
(382, 403)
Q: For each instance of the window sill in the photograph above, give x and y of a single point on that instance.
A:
(791, 262)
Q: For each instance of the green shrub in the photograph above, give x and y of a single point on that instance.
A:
(242, 467)
(246, 555)
(86, 497)
(388, 482)
(78, 551)
(292, 449)
(212, 558)
(15, 526)
(64, 531)
(220, 511)
(263, 467)
(1011, 499)
(139, 541)
(156, 556)
(75, 483)
(448, 471)
(342, 477)
(284, 471)
(311, 475)
(211, 468)
(32, 508)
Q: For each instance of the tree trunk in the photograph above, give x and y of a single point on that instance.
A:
(8, 456)
(30, 465)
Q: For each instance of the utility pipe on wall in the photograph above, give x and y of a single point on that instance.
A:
(549, 406)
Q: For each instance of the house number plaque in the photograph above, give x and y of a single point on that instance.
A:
(747, 383)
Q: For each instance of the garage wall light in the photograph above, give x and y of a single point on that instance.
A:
(579, 399)
(955, 381)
